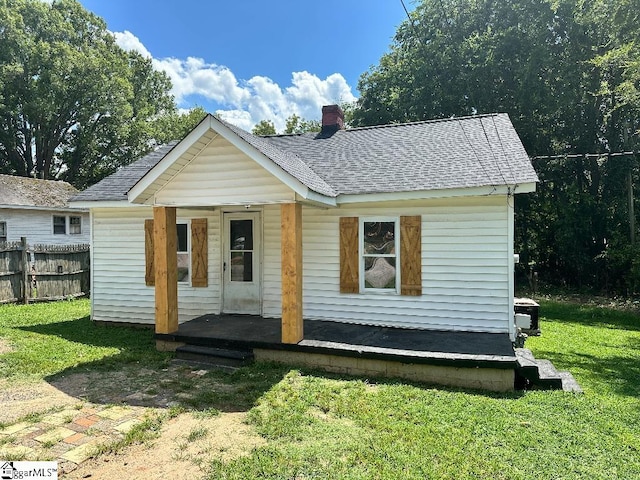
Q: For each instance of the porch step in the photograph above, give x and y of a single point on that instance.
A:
(216, 357)
(541, 374)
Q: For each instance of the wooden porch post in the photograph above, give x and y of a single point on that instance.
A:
(166, 269)
(291, 244)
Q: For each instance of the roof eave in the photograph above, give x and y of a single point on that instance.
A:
(52, 208)
(89, 204)
(436, 193)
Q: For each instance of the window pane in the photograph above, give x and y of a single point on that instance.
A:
(75, 225)
(241, 266)
(59, 225)
(379, 238)
(379, 272)
(183, 267)
(3, 231)
(182, 237)
(241, 235)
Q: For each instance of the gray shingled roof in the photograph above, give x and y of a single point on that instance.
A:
(440, 154)
(117, 185)
(290, 161)
(484, 150)
(33, 192)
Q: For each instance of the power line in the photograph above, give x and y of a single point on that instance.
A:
(513, 177)
(584, 155)
(406, 11)
(475, 154)
(493, 155)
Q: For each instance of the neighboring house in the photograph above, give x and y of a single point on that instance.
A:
(407, 225)
(39, 210)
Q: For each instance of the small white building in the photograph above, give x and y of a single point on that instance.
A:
(407, 225)
(39, 210)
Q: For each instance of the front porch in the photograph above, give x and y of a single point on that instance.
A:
(460, 359)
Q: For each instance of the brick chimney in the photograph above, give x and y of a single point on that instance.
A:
(332, 119)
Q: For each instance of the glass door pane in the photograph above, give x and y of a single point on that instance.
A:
(241, 250)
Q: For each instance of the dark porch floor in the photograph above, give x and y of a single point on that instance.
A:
(246, 332)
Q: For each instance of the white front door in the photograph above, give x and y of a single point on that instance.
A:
(241, 263)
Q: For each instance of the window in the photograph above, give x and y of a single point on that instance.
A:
(191, 250)
(59, 225)
(3, 231)
(183, 252)
(379, 255)
(75, 225)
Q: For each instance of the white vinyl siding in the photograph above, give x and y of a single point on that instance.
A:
(465, 268)
(119, 292)
(272, 261)
(37, 226)
(220, 174)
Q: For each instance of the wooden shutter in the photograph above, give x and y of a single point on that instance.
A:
(150, 272)
(199, 252)
(411, 256)
(349, 261)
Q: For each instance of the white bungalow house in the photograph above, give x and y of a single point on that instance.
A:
(39, 210)
(405, 225)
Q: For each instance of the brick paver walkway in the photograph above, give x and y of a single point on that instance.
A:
(69, 436)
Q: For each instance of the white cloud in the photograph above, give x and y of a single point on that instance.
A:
(245, 103)
(239, 118)
(128, 41)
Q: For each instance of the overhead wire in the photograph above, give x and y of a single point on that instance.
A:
(513, 176)
(475, 154)
(493, 155)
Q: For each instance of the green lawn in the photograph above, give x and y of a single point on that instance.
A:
(323, 426)
(48, 338)
(320, 427)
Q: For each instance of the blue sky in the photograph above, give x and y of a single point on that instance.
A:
(250, 60)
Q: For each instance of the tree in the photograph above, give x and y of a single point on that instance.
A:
(568, 74)
(75, 106)
(296, 124)
(541, 61)
(264, 127)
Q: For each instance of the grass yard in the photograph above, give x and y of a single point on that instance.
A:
(47, 338)
(319, 427)
(323, 426)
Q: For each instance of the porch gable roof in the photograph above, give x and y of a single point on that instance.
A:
(285, 166)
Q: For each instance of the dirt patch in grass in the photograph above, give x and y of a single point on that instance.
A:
(20, 399)
(184, 449)
(201, 412)
(5, 347)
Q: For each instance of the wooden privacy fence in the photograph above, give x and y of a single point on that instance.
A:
(31, 273)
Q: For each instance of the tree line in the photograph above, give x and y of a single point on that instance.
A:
(75, 106)
(568, 75)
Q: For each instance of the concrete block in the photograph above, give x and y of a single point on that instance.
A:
(168, 346)
(470, 377)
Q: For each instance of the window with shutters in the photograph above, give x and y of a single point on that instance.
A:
(382, 255)
(191, 248)
(3, 231)
(379, 255)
